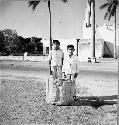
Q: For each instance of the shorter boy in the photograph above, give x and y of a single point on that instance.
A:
(56, 57)
(70, 66)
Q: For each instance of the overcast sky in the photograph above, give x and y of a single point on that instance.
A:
(67, 18)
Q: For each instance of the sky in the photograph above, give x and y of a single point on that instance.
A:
(67, 18)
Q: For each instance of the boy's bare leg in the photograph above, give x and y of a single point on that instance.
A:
(73, 90)
(59, 72)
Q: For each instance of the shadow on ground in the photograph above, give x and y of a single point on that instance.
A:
(93, 101)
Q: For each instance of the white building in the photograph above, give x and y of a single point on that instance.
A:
(63, 44)
(106, 33)
(104, 38)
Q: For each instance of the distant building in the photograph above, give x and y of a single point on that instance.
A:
(63, 45)
(104, 46)
(104, 32)
(104, 38)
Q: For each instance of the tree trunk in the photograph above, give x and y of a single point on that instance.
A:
(50, 26)
(115, 36)
(93, 27)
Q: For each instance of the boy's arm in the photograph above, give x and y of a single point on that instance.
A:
(63, 69)
(50, 67)
(63, 72)
(62, 58)
(49, 60)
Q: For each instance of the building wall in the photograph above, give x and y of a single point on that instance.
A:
(27, 58)
(105, 32)
(85, 49)
(63, 44)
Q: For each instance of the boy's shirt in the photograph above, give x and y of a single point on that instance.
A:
(56, 57)
(70, 65)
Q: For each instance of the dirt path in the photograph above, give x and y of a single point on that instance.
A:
(22, 96)
(101, 79)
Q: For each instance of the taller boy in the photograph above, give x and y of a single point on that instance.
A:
(56, 57)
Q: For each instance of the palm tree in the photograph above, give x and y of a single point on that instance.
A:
(111, 6)
(34, 4)
(92, 5)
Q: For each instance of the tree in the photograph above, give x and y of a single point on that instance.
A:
(21, 44)
(27, 41)
(11, 45)
(111, 6)
(92, 16)
(90, 22)
(2, 42)
(34, 4)
(35, 45)
(11, 41)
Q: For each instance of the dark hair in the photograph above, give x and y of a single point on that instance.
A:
(56, 42)
(70, 46)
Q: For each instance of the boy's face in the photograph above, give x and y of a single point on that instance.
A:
(70, 51)
(55, 46)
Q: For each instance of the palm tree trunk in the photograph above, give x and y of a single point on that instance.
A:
(93, 27)
(115, 36)
(50, 26)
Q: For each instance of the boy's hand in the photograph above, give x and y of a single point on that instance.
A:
(50, 71)
(76, 74)
(63, 75)
(49, 62)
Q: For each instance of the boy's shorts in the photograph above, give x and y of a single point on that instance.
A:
(56, 71)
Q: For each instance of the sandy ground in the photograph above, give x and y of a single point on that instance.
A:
(101, 78)
(22, 98)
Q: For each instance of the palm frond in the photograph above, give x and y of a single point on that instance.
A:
(106, 16)
(33, 4)
(65, 1)
(104, 5)
(111, 6)
(109, 9)
(113, 11)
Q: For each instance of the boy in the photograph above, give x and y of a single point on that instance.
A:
(70, 67)
(56, 57)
